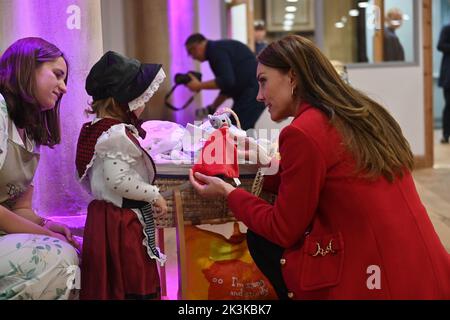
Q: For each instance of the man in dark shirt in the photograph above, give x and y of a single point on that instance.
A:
(260, 37)
(444, 79)
(234, 68)
(393, 49)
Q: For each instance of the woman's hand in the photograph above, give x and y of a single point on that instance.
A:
(249, 150)
(58, 236)
(62, 232)
(160, 207)
(209, 187)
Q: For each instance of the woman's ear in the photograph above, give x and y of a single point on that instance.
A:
(292, 77)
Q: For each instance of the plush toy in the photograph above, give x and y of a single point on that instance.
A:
(219, 120)
(219, 156)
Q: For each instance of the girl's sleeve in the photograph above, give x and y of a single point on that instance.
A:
(120, 155)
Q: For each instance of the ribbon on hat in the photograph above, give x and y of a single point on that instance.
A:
(137, 123)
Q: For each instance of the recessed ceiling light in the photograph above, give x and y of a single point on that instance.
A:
(289, 16)
(363, 4)
(291, 8)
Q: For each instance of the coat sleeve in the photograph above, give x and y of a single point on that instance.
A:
(303, 171)
(272, 183)
(444, 40)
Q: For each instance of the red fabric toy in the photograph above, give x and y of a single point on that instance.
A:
(219, 155)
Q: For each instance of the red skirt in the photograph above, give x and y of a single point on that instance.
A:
(115, 264)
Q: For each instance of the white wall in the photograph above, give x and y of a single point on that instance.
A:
(400, 90)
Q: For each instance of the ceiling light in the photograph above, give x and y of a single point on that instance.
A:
(289, 16)
(353, 13)
(364, 4)
(291, 9)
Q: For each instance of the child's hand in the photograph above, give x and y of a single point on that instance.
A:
(160, 207)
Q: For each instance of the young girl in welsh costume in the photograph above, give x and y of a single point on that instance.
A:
(119, 253)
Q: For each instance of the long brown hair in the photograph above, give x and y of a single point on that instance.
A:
(18, 66)
(370, 133)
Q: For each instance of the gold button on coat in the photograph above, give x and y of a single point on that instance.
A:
(290, 295)
(282, 261)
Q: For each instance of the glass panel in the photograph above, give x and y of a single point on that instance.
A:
(350, 31)
(353, 30)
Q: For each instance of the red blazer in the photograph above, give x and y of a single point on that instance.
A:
(367, 240)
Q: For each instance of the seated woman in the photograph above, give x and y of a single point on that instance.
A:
(348, 222)
(37, 257)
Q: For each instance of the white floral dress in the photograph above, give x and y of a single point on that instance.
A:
(36, 267)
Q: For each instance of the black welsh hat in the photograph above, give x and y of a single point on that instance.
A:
(126, 80)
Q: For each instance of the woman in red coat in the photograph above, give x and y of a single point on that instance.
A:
(348, 222)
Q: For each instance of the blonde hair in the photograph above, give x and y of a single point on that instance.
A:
(369, 132)
(108, 106)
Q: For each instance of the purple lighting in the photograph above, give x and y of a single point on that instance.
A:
(56, 191)
(181, 16)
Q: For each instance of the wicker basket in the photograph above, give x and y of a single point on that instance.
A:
(196, 209)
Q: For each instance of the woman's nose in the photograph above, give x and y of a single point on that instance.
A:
(63, 87)
(260, 96)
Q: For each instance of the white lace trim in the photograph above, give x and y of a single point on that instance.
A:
(118, 154)
(162, 257)
(108, 132)
(152, 88)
